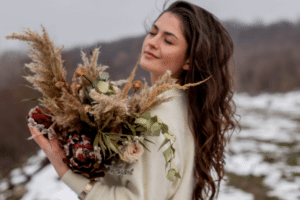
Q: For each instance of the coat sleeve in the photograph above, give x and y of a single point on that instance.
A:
(147, 182)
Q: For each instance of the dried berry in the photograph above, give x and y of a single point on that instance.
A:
(137, 85)
(80, 71)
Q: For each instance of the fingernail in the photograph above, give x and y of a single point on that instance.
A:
(45, 131)
(30, 138)
(50, 130)
(51, 137)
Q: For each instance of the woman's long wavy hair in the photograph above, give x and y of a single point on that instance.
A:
(210, 105)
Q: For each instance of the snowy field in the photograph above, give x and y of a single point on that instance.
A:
(263, 160)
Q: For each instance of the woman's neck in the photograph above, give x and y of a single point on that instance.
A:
(155, 77)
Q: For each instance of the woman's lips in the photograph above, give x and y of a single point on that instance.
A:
(150, 55)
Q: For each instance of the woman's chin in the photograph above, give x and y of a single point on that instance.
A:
(145, 65)
(150, 65)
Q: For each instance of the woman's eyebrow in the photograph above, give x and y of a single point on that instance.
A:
(165, 32)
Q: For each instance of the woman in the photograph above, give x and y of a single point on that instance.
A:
(193, 45)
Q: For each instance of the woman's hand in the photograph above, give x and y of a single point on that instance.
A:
(52, 150)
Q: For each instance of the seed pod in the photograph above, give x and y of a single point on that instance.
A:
(87, 108)
(59, 84)
(137, 85)
(78, 86)
(80, 71)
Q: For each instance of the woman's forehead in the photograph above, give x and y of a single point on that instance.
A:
(169, 22)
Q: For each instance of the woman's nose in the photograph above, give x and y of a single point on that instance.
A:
(153, 42)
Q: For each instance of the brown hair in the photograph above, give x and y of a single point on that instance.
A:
(210, 105)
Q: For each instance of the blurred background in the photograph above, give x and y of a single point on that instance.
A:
(262, 160)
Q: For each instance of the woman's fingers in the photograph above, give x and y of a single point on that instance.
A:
(52, 149)
(38, 136)
(55, 144)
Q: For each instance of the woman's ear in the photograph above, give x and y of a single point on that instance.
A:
(186, 66)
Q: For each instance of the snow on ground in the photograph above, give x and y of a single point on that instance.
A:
(281, 102)
(46, 185)
(268, 146)
(231, 193)
(54, 189)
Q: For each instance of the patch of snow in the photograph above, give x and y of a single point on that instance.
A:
(15, 180)
(16, 172)
(286, 190)
(231, 193)
(243, 164)
(17, 177)
(3, 185)
(37, 157)
(267, 147)
(31, 169)
(286, 103)
(46, 185)
(242, 145)
(268, 128)
(273, 177)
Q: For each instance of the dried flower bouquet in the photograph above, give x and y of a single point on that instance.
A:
(97, 124)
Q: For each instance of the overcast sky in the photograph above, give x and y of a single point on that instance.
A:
(77, 22)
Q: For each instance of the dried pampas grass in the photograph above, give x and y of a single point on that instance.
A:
(48, 77)
(47, 63)
(130, 79)
(92, 69)
(163, 84)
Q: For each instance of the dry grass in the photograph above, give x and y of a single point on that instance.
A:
(130, 79)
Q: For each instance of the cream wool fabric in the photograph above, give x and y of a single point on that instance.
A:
(149, 181)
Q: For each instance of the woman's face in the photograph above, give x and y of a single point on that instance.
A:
(165, 47)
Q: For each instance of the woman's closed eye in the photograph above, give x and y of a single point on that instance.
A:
(151, 33)
(168, 42)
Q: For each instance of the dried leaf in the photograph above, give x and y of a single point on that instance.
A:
(163, 143)
(144, 146)
(155, 129)
(168, 154)
(103, 86)
(171, 174)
